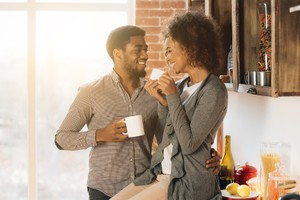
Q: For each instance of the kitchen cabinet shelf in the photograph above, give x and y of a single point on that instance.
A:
(285, 45)
(254, 89)
(239, 23)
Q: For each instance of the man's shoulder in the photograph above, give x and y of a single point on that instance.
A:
(100, 82)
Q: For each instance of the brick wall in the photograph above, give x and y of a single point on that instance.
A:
(152, 15)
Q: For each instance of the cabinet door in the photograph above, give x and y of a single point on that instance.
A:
(285, 45)
(239, 23)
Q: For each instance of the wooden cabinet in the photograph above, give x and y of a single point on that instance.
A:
(239, 22)
(285, 45)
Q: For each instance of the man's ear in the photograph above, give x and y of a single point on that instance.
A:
(117, 54)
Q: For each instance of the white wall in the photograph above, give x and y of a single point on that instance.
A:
(252, 119)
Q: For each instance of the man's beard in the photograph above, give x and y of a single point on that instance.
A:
(133, 72)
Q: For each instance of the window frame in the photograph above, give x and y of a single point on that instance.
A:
(31, 7)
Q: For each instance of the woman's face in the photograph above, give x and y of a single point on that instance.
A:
(175, 56)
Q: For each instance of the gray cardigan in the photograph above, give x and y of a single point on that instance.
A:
(191, 128)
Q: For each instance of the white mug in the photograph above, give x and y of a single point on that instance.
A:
(134, 126)
(156, 73)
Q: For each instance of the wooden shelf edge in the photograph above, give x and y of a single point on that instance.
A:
(257, 90)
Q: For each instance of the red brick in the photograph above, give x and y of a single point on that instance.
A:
(153, 16)
(153, 55)
(142, 13)
(162, 55)
(152, 30)
(147, 21)
(152, 38)
(172, 4)
(147, 4)
(161, 13)
(155, 47)
(156, 64)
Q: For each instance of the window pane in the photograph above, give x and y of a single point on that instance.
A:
(83, 1)
(13, 106)
(12, 1)
(70, 52)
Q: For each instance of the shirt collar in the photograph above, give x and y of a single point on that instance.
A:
(116, 78)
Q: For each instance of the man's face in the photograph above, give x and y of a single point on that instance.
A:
(135, 57)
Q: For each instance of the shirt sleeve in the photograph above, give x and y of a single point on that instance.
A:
(69, 135)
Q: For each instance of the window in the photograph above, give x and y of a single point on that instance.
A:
(46, 53)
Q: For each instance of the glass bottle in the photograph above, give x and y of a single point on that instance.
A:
(227, 165)
(230, 64)
(264, 45)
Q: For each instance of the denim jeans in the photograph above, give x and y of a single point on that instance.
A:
(97, 195)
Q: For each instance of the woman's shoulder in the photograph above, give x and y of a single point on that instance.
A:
(214, 81)
(214, 87)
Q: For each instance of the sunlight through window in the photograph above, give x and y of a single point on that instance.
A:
(13, 111)
(69, 51)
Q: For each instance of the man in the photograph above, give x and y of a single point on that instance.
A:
(115, 160)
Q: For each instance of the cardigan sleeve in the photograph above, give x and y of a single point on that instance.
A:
(162, 112)
(208, 113)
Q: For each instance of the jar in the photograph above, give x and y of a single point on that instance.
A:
(276, 178)
(264, 32)
(244, 173)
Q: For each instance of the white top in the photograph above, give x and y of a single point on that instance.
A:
(185, 96)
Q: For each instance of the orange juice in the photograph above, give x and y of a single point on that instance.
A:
(268, 164)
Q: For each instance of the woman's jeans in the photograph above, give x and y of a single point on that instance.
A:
(97, 195)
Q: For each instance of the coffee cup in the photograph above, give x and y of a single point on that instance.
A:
(134, 125)
(156, 73)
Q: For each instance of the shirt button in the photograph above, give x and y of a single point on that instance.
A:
(131, 159)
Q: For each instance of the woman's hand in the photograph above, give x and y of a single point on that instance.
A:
(152, 88)
(166, 84)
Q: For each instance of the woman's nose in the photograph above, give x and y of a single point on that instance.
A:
(167, 58)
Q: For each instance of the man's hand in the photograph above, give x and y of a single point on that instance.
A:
(214, 161)
(112, 132)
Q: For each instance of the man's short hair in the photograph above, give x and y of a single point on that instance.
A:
(120, 36)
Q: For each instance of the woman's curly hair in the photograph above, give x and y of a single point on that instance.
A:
(200, 37)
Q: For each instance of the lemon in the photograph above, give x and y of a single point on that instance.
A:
(243, 190)
(232, 188)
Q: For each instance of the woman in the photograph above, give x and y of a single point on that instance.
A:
(191, 110)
